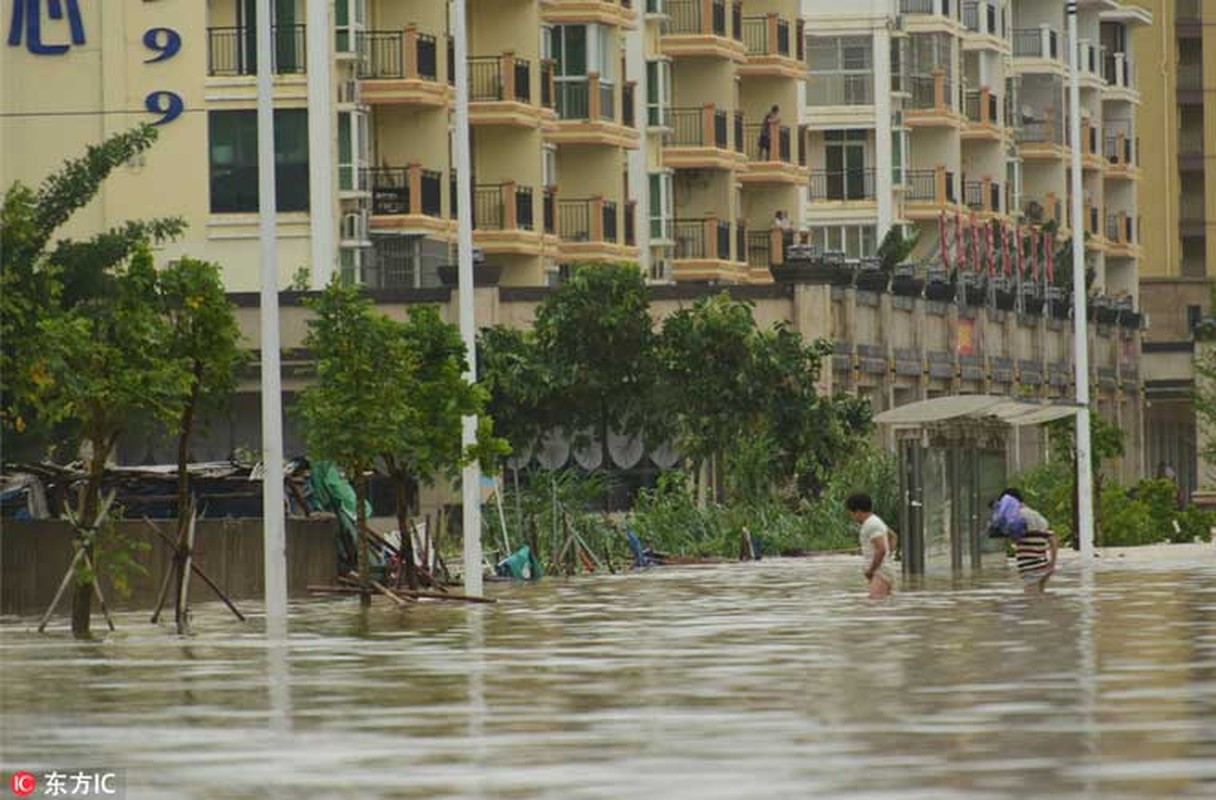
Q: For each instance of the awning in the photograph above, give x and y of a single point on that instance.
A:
(975, 406)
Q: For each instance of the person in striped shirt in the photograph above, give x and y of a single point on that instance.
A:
(1036, 549)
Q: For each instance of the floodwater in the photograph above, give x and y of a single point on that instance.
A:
(776, 679)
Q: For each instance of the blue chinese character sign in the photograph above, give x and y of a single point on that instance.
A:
(27, 19)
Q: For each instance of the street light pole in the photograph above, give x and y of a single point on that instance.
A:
(1085, 478)
(274, 540)
(471, 475)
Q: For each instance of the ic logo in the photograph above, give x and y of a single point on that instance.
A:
(27, 19)
(23, 784)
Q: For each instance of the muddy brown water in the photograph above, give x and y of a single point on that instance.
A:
(775, 679)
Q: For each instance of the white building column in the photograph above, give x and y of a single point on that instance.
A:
(639, 159)
(882, 130)
(321, 199)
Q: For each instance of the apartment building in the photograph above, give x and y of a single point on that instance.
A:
(1178, 194)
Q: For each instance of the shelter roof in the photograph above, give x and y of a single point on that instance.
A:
(1008, 410)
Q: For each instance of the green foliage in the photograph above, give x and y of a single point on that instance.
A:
(594, 334)
(116, 555)
(520, 386)
(896, 247)
(1194, 524)
(38, 282)
(301, 279)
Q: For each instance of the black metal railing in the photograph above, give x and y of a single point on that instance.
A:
(233, 50)
(1031, 43)
(390, 189)
(608, 221)
(689, 237)
(736, 21)
(738, 131)
(524, 208)
(546, 84)
(523, 80)
(839, 185)
(741, 241)
(487, 207)
(922, 185)
(607, 101)
(573, 99)
(485, 79)
(759, 249)
(549, 211)
(918, 6)
(574, 219)
(686, 127)
(723, 235)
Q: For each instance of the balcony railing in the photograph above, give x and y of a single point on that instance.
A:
(585, 98)
(631, 213)
(405, 190)
(1040, 132)
(766, 36)
(983, 195)
(981, 17)
(608, 221)
(502, 206)
(233, 51)
(548, 90)
(1039, 210)
(839, 185)
(1042, 42)
(699, 127)
(840, 89)
(706, 237)
(981, 107)
(398, 54)
(549, 210)
(1190, 77)
(738, 131)
(1117, 71)
(574, 220)
(1119, 149)
(705, 18)
(498, 78)
(1189, 11)
(930, 92)
(930, 186)
(779, 142)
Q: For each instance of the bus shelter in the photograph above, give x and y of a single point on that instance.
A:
(953, 456)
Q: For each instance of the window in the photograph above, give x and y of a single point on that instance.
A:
(233, 156)
(856, 241)
(658, 92)
(578, 51)
(845, 158)
(841, 70)
(548, 165)
(660, 205)
(349, 18)
(352, 151)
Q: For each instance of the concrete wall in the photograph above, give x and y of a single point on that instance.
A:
(35, 555)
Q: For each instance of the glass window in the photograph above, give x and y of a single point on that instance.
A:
(660, 205)
(233, 160)
(346, 154)
(658, 90)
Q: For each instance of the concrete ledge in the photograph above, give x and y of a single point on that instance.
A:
(34, 556)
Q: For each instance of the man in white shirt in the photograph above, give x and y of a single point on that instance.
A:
(877, 544)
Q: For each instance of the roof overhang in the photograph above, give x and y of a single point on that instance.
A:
(1007, 410)
(1128, 15)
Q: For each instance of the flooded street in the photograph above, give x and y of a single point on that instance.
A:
(776, 679)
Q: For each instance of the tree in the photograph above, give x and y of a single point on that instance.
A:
(707, 359)
(37, 280)
(430, 400)
(106, 362)
(1106, 442)
(350, 413)
(84, 349)
(204, 333)
(520, 387)
(596, 336)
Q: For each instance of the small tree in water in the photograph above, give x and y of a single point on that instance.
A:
(85, 347)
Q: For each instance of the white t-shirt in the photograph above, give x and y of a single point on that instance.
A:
(872, 529)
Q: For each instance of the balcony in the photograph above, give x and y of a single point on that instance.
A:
(981, 119)
(775, 48)
(1038, 50)
(1045, 209)
(776, 164)
(1096, 234)
(932, 101)
(703, 250)
(766, 248)
(586, 114)
(504, 219)
(1119, 75)
(840, 89)
(407, 198)
(1092, 156)
(699, 139)
(614, 13)
(500, 92)
(233, 51)
(842, 186)
(1121, 239)
(589, 231)
(983, 22)
(1089, 64)
(1041, 138)
(982, 196)
(928, 192)
(401, 67)
(924, 11)
(704, 29)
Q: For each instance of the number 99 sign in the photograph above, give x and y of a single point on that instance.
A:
(165, 42)
(168, 104)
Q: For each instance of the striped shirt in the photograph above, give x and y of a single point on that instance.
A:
(1033, 551)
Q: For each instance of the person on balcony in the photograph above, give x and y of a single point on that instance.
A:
(771, 120)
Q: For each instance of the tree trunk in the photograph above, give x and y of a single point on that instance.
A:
(183, 498)
(605, 455)
(82, 596)
(365, 598)
(401, 499)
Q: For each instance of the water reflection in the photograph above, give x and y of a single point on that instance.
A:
(777, 679)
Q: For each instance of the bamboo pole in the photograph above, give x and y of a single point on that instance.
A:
(197, 570)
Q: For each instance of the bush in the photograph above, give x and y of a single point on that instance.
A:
(1193, 523)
